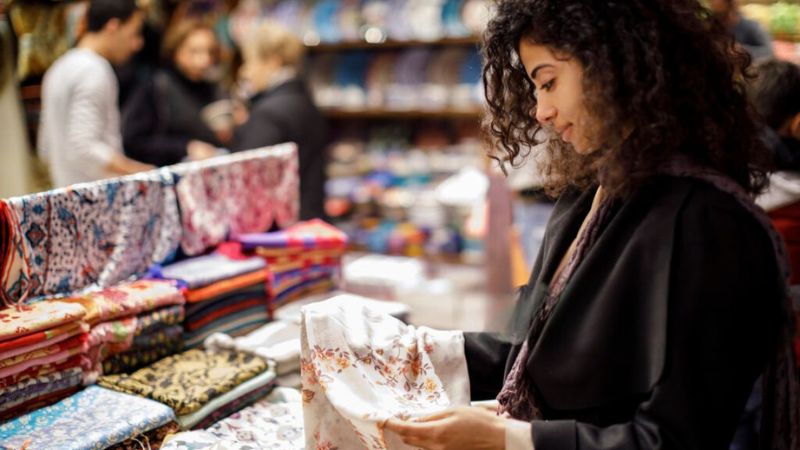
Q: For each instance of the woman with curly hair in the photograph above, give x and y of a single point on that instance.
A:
(659, 297)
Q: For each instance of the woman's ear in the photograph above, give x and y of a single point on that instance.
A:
(794, 126)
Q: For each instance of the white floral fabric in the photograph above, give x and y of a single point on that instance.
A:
(274, 423)
(361, 368)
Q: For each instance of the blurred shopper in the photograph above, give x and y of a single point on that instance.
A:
(176, 115)
(80, 131)
(748, 33)
(282, 109)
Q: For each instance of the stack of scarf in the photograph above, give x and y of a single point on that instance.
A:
(40, 355)
(304, 259)
(89, 235)
(91, 419)
(201, 387)
(276, 422)
(224, 295)
(134, 323)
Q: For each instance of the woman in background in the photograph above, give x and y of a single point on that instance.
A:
(170, 118)
(282, 109)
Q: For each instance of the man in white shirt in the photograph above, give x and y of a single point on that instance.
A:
(80, 134)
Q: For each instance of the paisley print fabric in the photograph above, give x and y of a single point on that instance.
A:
(188, 380)
(151, 440)
(243, 193)
(94, 418)
(95, 234)
(360, 368)
(34, 388)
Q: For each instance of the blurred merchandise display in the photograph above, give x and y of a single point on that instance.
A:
(417, 197)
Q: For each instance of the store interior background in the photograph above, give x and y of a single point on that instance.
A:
(432, 222)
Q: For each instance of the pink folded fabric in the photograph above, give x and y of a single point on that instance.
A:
(80, 328)
(48, 359)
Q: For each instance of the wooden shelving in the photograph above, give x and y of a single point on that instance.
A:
(461, 114)
(363, 45)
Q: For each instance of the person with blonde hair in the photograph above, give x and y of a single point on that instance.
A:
(163, 122)
(283, 110)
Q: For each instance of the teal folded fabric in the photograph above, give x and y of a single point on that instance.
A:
(94, 418)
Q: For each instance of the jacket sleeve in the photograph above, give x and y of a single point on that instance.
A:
(486, 355)
(142, 139)
(260, 130)
(723, 317)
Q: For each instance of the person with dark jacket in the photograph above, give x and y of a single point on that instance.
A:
(660, 293)
(283, 110)
(163, 121)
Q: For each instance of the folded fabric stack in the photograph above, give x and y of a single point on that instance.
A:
(303, 259)
(277, 341)
(92, 419)
(114, 315)
(275, 422)
(224, 295)
(202, 387)
(41, 346)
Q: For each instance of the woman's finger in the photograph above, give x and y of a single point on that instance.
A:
(437, 416)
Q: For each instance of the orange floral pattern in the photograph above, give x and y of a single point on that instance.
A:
(360, 368)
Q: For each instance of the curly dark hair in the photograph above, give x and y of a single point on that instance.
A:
(664, 69)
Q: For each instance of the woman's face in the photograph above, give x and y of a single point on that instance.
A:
(559, 95)
(195, 56)
(257, 71)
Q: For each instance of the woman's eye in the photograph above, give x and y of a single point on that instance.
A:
(549, 85)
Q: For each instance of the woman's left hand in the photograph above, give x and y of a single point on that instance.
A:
(462, 428)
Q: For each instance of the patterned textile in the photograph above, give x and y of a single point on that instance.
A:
(150, 440)
(360, 368)
(189, 380)
(204, 270)
(36, 317)
(129, 299)
(273, 423)
(37, 371)
(15, 270)
(286, 280)
(239, 194)
(49, 359)
(237, 324)
(305, 262)
(200, 309)
(78, 341)
(161, 337)
(33, 388)
(312, 234)
(116, 331)
(37, 402)
(91, 419)
(226, 286)
(59, 334)
(160, 318)
(306, 288)
(135, 359)
(95, 234)
(228, 403)
(277, 341)
(222, 309)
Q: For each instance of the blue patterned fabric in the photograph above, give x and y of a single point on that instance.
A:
(95, 234)
(92, 419)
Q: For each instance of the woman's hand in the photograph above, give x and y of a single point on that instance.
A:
(463, 428)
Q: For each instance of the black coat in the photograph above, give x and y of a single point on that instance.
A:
(287, 113)
(659, 336)
(163, 115)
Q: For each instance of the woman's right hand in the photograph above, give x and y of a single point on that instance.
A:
(199, 150)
